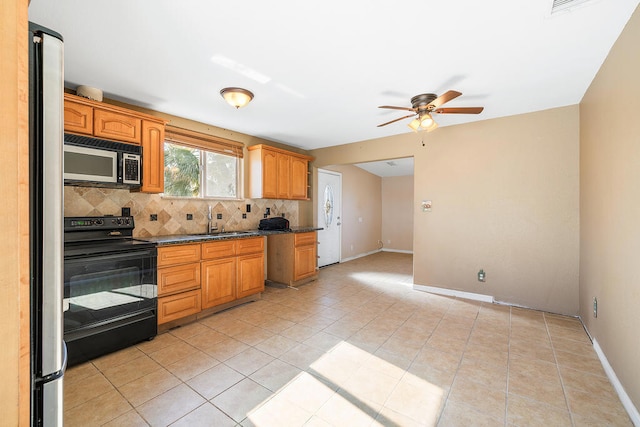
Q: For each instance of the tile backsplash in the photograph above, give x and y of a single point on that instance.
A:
(171, 213)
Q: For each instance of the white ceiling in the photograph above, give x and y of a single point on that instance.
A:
(319, 70)
(392, 167)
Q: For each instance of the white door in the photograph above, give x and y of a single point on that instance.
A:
(329, 213)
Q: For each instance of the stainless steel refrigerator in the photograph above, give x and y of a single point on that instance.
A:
(48, 351)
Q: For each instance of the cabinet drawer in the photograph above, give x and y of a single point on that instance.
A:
(78, 118)
(177, 306)
(249, 246)
(178, 278)
(110, 125)
(180, 254)
(301, 239)
(221, 249)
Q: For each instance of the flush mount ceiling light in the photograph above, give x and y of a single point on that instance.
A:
(236, 97)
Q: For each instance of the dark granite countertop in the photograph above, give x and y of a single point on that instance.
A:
(180, 239)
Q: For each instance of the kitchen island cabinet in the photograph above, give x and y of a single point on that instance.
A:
(292, 258)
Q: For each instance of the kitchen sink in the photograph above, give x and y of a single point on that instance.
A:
(231, 233)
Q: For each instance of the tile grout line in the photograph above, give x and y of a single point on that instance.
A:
(555, 358)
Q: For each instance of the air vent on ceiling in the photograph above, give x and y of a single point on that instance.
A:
(391, 163)
(560, 5)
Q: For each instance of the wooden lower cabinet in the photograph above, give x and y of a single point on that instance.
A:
(218, 282)
(218, 272)
(250, 274)
(177, 306)
(291, 257)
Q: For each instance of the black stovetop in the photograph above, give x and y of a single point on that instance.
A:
(100, 235)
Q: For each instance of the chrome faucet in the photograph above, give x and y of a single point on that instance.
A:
(211, 227)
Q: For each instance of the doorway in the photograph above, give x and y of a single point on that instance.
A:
(329, 217)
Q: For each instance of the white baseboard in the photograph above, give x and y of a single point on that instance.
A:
(454, 293)
(400, 251)
(360, 256)
(622, 394)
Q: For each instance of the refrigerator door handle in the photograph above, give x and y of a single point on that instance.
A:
(52, 201)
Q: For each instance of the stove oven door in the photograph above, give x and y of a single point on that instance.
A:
(110, 302)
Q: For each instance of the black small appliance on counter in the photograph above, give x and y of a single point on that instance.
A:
(275, 223)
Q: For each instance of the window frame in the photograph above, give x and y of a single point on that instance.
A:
(207, 143)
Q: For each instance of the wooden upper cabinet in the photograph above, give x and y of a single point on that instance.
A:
(269, 182)
(284, 176)
(152, 157)
(106, 121)
(299, 178)
(277, 174)
(78, 118)
(113, 125)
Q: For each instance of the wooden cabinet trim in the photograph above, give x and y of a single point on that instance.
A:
(279, 150)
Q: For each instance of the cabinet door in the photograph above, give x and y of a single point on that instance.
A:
(250, 274)
(284, 176)
(118, 126)
(305, 262)
(218, 282)
(152, 157)
(269, 175)
(78, 118)
(299, 178)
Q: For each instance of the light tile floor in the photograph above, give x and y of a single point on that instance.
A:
(357, 347)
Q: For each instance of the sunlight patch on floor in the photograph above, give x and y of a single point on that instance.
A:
(349, 386)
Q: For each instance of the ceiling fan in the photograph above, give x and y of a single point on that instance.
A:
(426, 104)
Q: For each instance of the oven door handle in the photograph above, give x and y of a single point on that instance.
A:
(132, 254)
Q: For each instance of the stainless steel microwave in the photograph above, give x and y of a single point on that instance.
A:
(97, 162)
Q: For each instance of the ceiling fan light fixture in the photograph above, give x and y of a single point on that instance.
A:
(236, 97)
(426, 121)
(414, 125)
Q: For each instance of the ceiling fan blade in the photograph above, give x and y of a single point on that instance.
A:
(397, 108)
(445, 97)
(393, 121)
(459, 110)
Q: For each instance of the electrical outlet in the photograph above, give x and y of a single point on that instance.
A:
(219, 216)
(189, 217)
(244, 216)
(595, 307)
(153, 217)
(481, 276)
(248, 208)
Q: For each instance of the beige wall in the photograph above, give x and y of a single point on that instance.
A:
(361, 199)
(610, 208)
(505, 199)
(397, 213)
